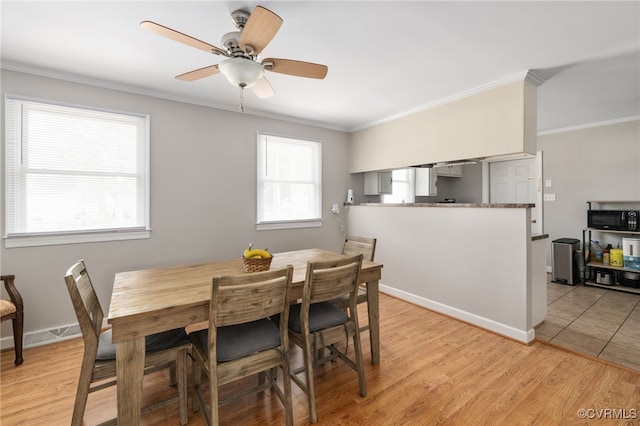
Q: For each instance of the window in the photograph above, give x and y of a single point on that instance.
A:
(289, 182)
(402, 187)
(74, 174)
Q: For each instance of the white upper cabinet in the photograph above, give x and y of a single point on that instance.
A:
(426, 182)
(376, 183)
(454, 171)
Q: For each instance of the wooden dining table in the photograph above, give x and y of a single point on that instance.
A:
(150, 301)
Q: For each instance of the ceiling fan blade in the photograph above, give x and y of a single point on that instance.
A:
(262, 88)
(297, 68)
(182, 38)
(199, 73)
(260, 28)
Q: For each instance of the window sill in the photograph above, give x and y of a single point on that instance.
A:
(266, 226)
(74, 238)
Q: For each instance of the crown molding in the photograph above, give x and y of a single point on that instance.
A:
(526, 75)
(533, 78)
(108, 84)
(590, 125)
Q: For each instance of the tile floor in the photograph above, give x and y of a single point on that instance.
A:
(592, 320)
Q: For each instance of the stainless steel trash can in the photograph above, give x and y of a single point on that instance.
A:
(565, 264)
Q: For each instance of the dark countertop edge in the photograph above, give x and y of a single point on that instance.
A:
(539, 237)
(455, 205)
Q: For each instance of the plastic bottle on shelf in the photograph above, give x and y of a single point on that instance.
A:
(596, 251)
(605, 254)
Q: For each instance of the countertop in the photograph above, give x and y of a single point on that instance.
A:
(449, 205)
(534, 237)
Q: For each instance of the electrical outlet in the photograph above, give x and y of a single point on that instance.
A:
(335, 209)
(547, 183)
(549, 197)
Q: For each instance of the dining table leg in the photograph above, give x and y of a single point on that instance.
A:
(373, 308)
(129, 373)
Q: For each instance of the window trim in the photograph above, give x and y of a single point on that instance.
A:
(286, 224)
(81, 236)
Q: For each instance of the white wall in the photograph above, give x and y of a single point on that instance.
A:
(595, 163)
(471, 263)
(203, 202)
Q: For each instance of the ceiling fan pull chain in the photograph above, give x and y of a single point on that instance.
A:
(241, 99)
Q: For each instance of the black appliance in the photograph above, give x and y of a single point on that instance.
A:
(615, 220)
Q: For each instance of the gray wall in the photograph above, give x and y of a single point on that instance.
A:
(465, 189)
(596, 163)
(203, 199)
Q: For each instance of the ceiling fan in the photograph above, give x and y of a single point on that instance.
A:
(241, 49)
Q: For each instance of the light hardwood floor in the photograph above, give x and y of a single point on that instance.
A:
(434, 370)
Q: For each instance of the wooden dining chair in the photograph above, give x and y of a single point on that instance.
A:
(367, 247)
(163, 350)
(242, 338)
(317, 323)
(13, 309)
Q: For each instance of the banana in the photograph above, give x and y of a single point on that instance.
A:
(257, 252)
(247, 250)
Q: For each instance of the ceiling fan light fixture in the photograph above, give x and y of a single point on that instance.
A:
(241, 72)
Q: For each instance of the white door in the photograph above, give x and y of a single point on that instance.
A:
(519, 181)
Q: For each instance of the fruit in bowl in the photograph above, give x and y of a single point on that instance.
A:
(251, 253)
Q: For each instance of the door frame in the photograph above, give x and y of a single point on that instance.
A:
(538, 163)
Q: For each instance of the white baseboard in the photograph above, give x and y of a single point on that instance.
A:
(45, 337)
(71, 331)
(524, 336)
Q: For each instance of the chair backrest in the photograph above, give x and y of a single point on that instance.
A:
(330, 279)
(14, 304)
(238, 299)
(85, 302)
(355, 245)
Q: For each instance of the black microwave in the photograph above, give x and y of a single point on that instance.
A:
(615, 220)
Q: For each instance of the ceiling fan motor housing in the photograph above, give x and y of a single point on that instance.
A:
(231, 42)
(240, 18)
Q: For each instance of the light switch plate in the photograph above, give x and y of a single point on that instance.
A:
(549, 197)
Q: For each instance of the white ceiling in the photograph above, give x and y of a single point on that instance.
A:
(384, 58)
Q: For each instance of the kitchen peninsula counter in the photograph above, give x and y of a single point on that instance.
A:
(476, 262)
(454, 205)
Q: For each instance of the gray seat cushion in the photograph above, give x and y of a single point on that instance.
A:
(154, 342)
(237, 341)
(321, 315)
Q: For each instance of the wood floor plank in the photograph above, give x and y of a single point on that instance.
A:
(434, 370)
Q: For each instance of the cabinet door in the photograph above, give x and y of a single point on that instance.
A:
(371, 183)
(454, 171)
(385, 182)
(376, 183)
(426, 182)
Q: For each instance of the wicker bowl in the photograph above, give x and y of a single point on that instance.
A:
(256, 264)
